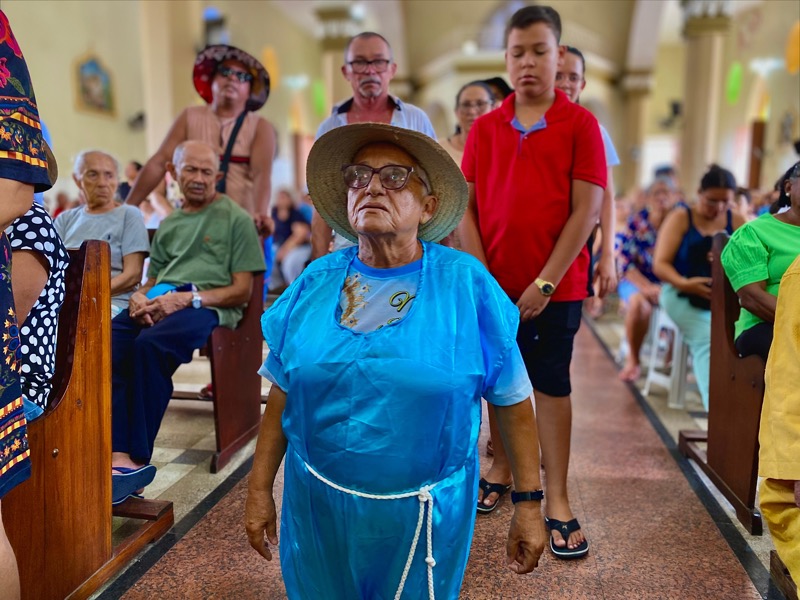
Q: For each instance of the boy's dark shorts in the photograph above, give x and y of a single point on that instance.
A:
(546, 346)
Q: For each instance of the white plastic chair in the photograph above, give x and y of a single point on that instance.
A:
(675, 381)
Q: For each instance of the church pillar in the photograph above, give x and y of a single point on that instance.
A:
(637, 86)
(707, 23)
(338, 27)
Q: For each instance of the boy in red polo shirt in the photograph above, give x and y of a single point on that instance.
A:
(536, 171)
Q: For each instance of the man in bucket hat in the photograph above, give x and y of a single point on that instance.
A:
(234, 85)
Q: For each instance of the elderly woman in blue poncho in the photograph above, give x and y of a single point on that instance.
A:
(379, 356)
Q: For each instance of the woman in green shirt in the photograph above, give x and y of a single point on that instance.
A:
(755, 259)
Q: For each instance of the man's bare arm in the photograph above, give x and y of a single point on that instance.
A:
(155, 168)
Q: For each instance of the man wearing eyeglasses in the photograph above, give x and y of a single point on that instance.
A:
(234, 85)
(369, 67)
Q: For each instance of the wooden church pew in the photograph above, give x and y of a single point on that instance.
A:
(736, 392)
(235, 357)
(59, 522)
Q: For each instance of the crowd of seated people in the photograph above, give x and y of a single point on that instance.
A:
(663, 250)
(638, 287)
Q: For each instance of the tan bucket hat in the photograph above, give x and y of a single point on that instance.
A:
(339, 146)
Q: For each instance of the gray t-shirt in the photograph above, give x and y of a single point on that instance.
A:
(123, 228)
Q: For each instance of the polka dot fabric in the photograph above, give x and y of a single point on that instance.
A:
(37, 350)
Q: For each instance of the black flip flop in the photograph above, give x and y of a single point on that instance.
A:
(565, 528)
(498, 488)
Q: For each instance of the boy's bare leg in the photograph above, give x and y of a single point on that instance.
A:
(554, 419)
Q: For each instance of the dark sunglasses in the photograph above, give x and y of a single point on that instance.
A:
(392, 177)
(242, 76)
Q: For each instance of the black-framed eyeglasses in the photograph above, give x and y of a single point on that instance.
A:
(392, 177)
(360, 65)
(481, 105)
(241, 76)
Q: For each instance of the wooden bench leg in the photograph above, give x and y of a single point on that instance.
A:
(780, 575)
(689, 446)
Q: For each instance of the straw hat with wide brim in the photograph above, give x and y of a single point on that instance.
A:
(205, 67)
(339, 146)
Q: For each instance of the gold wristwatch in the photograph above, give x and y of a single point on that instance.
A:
(545, 287)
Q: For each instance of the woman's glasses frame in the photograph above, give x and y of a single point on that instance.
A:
(351, 179)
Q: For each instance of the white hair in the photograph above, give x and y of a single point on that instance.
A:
(177, 156)
(80, 159)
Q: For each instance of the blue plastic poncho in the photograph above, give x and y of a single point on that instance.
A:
(393, 412)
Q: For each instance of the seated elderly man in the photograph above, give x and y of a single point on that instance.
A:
(101, 218)
(201, 271)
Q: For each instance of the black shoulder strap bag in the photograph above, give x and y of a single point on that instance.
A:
(226, 158)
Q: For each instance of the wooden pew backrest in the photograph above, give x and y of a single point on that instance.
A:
(70, 444)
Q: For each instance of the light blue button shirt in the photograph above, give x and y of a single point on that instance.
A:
(405, 115)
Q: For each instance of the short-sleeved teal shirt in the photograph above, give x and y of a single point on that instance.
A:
(760, 250)
(205, 248)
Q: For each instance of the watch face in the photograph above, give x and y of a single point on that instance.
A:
(548, 289)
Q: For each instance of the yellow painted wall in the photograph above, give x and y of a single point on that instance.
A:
(668, 76)
(253, 26)
(53, 34)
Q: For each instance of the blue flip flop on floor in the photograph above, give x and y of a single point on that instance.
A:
(565, 528)
(498, 488)
(127, 481)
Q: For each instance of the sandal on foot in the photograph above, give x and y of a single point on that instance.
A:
(127, 481)
(565, 528)
(498, 488)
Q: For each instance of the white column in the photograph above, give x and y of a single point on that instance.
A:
(707, 24)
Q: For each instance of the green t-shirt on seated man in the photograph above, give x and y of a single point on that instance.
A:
(205, 248)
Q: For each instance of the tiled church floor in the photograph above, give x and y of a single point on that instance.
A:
(655, 530)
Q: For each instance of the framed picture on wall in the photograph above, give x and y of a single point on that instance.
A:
(94, 86)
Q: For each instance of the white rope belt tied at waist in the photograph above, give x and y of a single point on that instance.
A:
(425, 498)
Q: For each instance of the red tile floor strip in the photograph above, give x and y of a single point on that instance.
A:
(650, 535)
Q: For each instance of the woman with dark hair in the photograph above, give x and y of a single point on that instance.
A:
(681, 262)
(756, 258)
(473, 100)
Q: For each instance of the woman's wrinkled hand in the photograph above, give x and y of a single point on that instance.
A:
(260, 521)
(526, 538)
(531, 303)
(697, 286)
